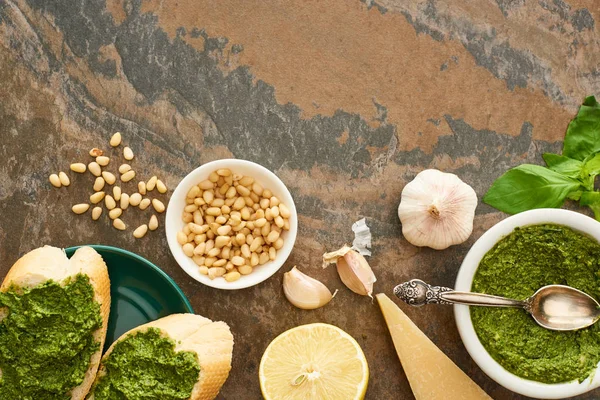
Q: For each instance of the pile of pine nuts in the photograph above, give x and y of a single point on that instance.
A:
(119, 201)
(232, 225)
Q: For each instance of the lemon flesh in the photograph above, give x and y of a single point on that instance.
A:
(315, 361)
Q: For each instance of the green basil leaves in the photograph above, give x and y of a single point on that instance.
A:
(567, 176)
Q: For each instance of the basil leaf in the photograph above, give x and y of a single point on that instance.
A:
(576, 195)
(529, 186)
(592, 200)
(563, 164)
(592, 165)
(583, 134)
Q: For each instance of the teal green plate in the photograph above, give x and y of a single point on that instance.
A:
(140, 291)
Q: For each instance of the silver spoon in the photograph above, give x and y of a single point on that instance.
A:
(554, 307)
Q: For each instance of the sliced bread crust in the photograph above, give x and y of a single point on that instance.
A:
(211, 341)
(51, 263)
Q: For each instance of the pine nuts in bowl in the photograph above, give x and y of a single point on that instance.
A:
(231, 224)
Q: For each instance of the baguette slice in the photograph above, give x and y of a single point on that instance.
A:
(211, 341)
(51, 263)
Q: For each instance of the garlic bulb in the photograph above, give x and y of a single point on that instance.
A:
(305, 292)
(437, 210)
(354, 271)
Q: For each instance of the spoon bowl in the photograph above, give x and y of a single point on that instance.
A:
(563, 308)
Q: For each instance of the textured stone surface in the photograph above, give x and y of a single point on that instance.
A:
(345, 100)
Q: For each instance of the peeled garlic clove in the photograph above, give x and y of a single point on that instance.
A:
(305, 292)
(356, 273)
(437, 210)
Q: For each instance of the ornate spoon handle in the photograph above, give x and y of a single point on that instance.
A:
(417, 293)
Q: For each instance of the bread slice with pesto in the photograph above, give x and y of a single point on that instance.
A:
(178, 357)
(53, 321)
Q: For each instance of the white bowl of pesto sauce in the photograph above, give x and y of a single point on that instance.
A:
(468, 280)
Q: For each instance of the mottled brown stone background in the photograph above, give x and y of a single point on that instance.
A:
(345, 100)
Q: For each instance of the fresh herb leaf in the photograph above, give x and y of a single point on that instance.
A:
(592, 165)
(583, 134)
(529, 186)
(592, 200)
(563, 165)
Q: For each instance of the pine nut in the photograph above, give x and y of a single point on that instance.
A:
(127, 176)
(161, 187)
(80, 168)
(278, 244)
(219, 263)
(96, 212)
(64, 179)
(214, 211)
(286, 224)
(135, 199)
(222, 241)
(142, 187)
(263, 258)
(115, 213)
(128, 153)
(102, 161)
(124, 168)
(109, 177)
(275, 211)
(214, 252)
(245, 269)
(205, 185)
(109, 202)
(238, 261)
(99, 184)
(181, 238)
(188, 249)
(203, 270)
(124, 201)
(190, 208)
(119, 224)
(153, 224)
(144, 204)
(256, 242)
(258, 189)
(272, 253)
(224, 230)
(224, 172)
(151, 184)
(232, 276)
(55, 180)
(243, 190)
(273, 236)
(80, 208)
(158, 205)
(140, 231)
(254, 260)
(97, 197)
(216, 272)
(284, 211)
(115, 139)
(96, 152)
(223, 189)
(247, 181)
(117, 193)
(94, 168)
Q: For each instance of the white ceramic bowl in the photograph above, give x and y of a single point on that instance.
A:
(174, 223)
(494, 370)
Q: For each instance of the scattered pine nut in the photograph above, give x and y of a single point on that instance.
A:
(115, 140)
(64, 179)
(102, 161)
(78, 167)
(99, 184)
(161, 187)
(119, 224)
(55, 180)
(124, 201)
(128, 153)
(153, 224)
(140, 231)
(97, 197)
(151, 184)
(158, 205)
(124, 168)
(115, 213)
(145, 203)
(96, 152)
(127, 176)
(96, 212)
(94, 168)
(117, 193)
(135, 199)
(80, 208)
(109, 202)
(142, 187)
(109, 177)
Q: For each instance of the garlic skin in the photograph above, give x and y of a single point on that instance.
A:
(305, 292)
(437, 210)
(354, 271)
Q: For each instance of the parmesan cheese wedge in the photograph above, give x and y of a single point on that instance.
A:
(431, 374)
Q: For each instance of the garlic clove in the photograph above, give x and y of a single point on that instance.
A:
(356, 273)
(305, 292)
(437, 210)
(332, 257)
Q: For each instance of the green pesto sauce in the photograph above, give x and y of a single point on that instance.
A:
(517, 266)
(46, 340)
(145, 366)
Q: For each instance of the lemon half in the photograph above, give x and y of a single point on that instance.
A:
(314, 361)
